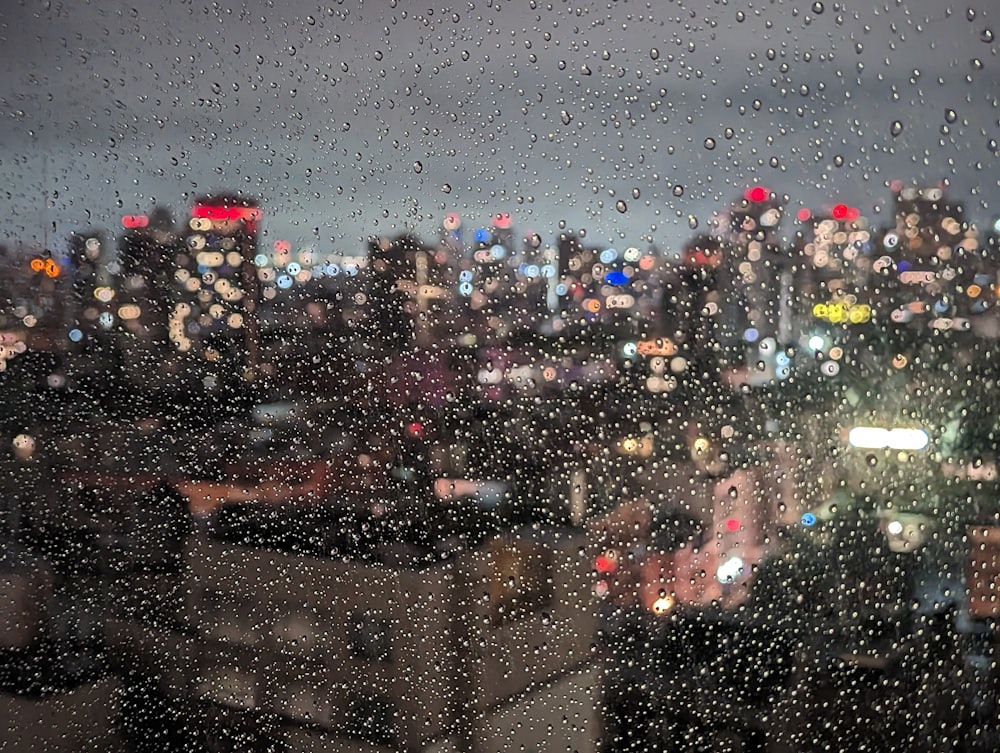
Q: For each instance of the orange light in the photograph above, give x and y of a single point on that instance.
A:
(973, 291)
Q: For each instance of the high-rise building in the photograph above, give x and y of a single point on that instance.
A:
(217, 312)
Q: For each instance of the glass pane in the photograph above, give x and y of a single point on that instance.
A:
(592, 376)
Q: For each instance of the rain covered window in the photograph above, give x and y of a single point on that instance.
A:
(510, 375)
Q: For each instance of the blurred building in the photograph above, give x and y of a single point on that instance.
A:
(217, 314)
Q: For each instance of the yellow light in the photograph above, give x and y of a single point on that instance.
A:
(663, 605)
(104, 294)
(973, 291)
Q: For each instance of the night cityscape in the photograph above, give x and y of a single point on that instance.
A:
(509, 376)
(314, 487)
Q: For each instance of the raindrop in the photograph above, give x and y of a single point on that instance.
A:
(692, 222)
(740, 16)
(896, 128)
(710, 143)
(446, 188)
(635, 193)
(621, 206)
(838, 161)
(418, 166)
(817, 7)
(950, 116)
(987, 36)
(565, 117)
(678, 190)
(654, 54)
(872, 460)
(585, 70)
(971, 14)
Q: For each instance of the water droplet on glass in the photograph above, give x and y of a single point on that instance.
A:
(654, 54)
(896, 128)
(838, 161)
(971, 14)
(950, 116)
(740, 16)
(446, 188)
(710, 143)
(585, 70)
(678, 190)
(692, 222)
(987, 36)
(565, 117)
(817, 8)
(621, 206)
(418, 166)
(635, 193)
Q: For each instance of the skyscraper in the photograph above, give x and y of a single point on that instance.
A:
(217, 313)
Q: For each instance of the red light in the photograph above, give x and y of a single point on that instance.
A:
(415, 430)
(732, 525)
(133, 221)
(805, 214)
(840, 212)
(605, 564)
(757, 193)
(225, 213)
(853, 213)
(501, 221)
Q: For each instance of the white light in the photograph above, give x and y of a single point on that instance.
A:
(870, 437)
(816, 342)
(730, 570)
(895, 527)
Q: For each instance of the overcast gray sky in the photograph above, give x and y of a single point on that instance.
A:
(353, 118)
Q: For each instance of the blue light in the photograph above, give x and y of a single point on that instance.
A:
(498, 251)
(75, 335)
(532, 270)
(332, 270)
(782, 359)
(904, 266)
(616, 278)
(465, 288)
(941, 306)
(260, 260)
(465, 276)
(561, 289)
(482, 235)
(294, 268)
(548, 271)
(751, 335)
(608, 255)
(808, 520)
(284, 282)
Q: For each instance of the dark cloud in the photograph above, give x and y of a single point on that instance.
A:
(550, 110)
